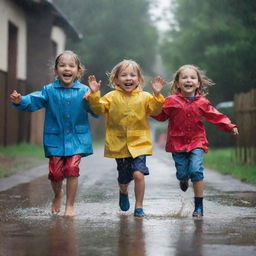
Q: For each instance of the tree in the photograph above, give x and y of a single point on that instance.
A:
(112, 30)
(219, 36)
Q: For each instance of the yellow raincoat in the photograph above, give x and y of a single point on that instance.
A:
(127, 128)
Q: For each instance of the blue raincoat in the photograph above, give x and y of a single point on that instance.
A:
(66, 127)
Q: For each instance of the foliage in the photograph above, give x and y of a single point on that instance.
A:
(223, 161)
(112, 30)
(219, 36)
(17, 157)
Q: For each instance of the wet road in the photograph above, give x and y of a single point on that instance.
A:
(28, 229)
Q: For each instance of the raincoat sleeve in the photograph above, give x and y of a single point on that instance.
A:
(164, 115)
(161, 117)
(98, 105)
(215, 117)
(155, 104)
(91, 112)
(33, 101)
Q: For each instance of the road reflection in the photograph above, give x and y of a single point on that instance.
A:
(131, 237)
(62, 239)
(28, 228)
(191, 243)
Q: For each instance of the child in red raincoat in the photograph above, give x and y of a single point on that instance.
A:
(185, 109)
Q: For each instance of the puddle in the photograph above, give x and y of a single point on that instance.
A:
(235, 198)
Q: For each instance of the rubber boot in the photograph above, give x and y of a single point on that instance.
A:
(199, 211)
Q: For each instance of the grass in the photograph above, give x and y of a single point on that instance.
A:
(222, 160)
(24, 156)
(19, 157)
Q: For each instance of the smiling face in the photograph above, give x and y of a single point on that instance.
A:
(188, 82)
(128, 79)
(67, 70)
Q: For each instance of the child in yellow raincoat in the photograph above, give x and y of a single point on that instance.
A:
(127, 136)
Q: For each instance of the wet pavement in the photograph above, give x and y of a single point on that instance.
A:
(100, 228)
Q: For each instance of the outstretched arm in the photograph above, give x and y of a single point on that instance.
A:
(15, 97)
(219, 119)
(157, 85)
(161, 117)
(30, 102)
(235, 131)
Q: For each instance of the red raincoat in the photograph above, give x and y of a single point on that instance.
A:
(186, 129)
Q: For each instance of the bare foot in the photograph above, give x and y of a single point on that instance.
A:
(69, 212)
(56, 203)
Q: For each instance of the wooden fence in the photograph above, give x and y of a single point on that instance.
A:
(245, 112)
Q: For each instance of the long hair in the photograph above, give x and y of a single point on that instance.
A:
(204, 81)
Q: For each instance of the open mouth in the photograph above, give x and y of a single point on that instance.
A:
(188, 86)
(67, 75)
(128, 84)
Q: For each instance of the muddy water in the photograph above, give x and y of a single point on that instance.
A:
(99, 228)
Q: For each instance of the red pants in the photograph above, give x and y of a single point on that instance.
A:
(61, 167)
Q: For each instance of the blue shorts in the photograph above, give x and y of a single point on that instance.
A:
(189, 165)
(126, 167)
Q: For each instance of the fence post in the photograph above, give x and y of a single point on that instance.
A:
(245, 112)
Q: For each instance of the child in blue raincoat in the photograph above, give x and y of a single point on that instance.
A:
(67, 135)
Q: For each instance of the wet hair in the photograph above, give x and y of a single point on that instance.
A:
(113, 75)
(204, 81)
(80, 66)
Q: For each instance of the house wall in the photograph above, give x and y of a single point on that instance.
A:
(3, 80)
(59, 38)
(15, 78)
(36, 42)
(10, 12)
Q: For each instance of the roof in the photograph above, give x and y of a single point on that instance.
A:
(60, 18)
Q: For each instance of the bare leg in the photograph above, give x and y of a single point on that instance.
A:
(139, 188)
(72, 184)
(58, 193)
(123, 188)
(198, 188)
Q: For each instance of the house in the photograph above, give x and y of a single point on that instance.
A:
(33, 32)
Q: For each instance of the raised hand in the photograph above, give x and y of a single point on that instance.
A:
(15, 97)
(93, 84)
(157, 85)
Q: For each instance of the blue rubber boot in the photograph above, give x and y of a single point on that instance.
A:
(199, 210)
(138, 212)
(124, 201)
